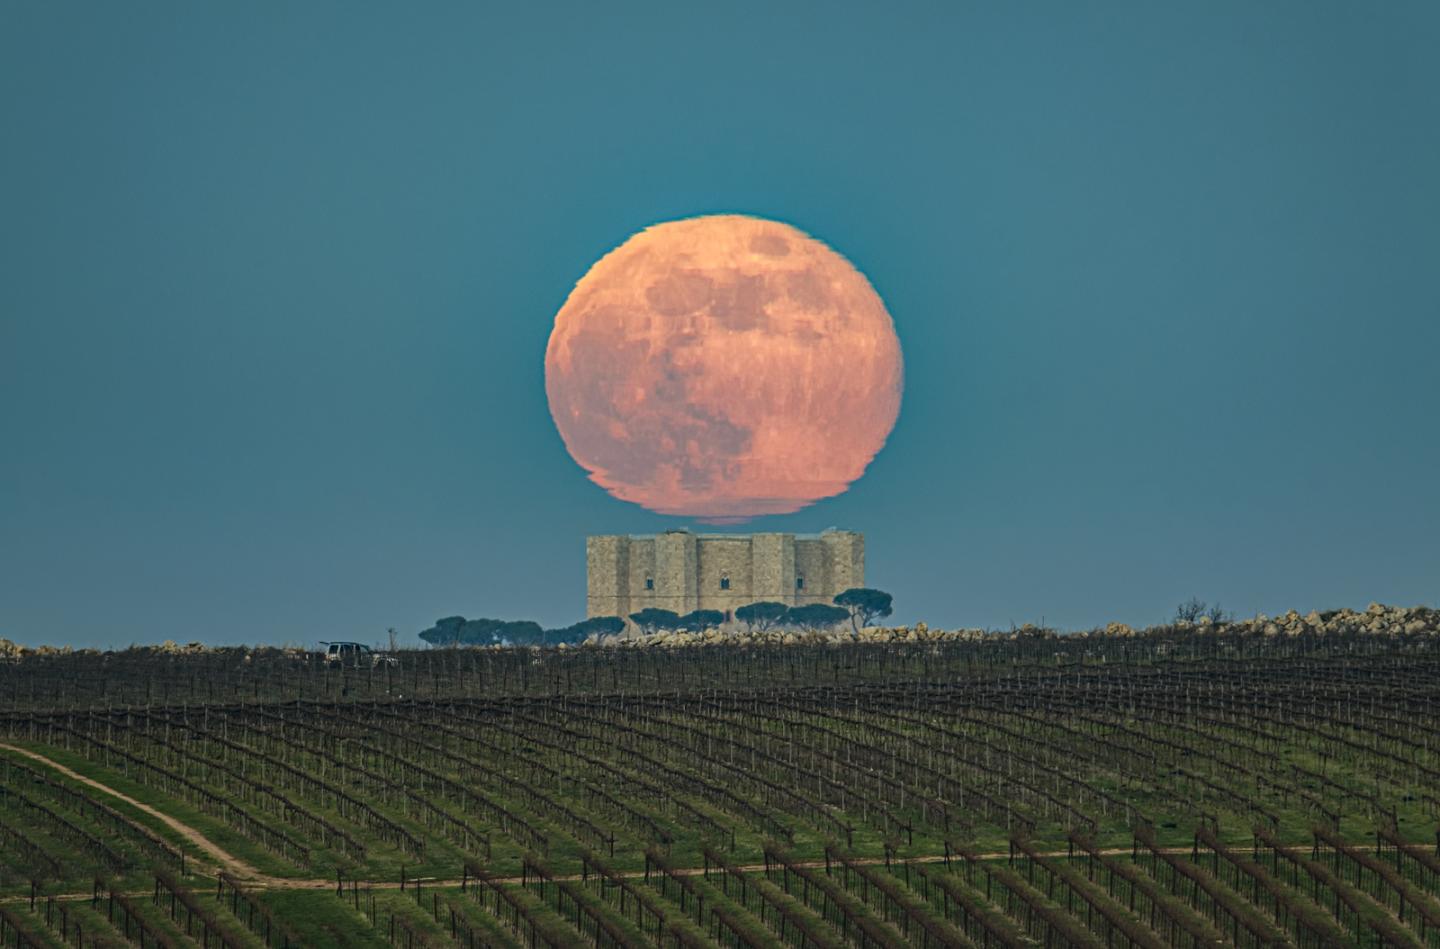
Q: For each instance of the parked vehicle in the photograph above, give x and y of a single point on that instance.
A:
(342, 653)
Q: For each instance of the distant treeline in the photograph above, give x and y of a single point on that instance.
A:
(459, 631)
(859, 606)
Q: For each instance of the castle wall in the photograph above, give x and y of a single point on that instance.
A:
(774, 568)
(682, 571)
(718, 559)
(812, 573)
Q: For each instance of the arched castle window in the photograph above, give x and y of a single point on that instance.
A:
(649, 583)
(799, 582)
(725, 582)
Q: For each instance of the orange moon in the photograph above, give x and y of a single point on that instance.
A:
(722, 368)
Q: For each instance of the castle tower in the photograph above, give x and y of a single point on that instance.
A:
(607, 576)
(845, 559)
(677, 571)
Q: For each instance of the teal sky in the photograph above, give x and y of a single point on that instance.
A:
(276, 282)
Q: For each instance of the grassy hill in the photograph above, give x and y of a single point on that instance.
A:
(1177, 788)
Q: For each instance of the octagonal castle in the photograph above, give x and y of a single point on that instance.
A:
(683, 571)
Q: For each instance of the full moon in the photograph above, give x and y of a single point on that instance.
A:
(722, 368)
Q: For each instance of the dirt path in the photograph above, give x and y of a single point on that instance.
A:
(229, 862)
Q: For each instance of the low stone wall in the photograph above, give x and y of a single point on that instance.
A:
(1376, 620)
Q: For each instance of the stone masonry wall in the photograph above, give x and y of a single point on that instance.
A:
(812, 574)
(682, 571)
(773, 574)
(723, 558)
(845, 559)
(606, 575)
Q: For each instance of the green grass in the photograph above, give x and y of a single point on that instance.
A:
(322, 920)
(212, 828)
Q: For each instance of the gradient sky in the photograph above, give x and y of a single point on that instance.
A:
(276, 282)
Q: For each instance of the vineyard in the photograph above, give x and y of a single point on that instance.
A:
(1100, 791)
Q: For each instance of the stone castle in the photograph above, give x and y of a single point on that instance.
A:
(682, 571)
